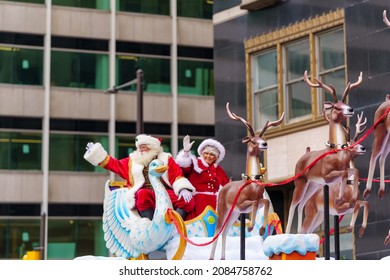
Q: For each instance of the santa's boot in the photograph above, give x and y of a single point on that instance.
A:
(148, 213)
(182, 213)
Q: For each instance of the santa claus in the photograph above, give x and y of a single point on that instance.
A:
(134, 170)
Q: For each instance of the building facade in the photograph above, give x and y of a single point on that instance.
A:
(261, 51)
(57, 59)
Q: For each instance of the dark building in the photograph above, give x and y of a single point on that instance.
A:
(261, 51)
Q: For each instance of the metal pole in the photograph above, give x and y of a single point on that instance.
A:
(336, 237)
(112, 51)
(174, 126)
(42, 248)
(140, 102)
(46, 129)
(242, 236)
(326, 223)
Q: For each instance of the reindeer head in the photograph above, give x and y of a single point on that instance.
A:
(339, 109)
(255, 141)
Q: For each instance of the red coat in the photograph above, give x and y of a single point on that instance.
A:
(132, 172)
(206, 179)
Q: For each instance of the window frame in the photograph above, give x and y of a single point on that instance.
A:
(278, 40)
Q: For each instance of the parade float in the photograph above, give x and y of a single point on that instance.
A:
(129, 236)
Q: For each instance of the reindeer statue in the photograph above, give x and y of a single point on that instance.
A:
(333, 168)
(314, 207)
(381, 145)
(380, 148)
(252, 195)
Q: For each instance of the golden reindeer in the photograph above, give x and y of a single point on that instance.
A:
(252, 195)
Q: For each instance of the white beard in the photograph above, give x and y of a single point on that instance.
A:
(144, 158)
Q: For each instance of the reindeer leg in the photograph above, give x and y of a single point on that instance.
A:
(255, 206)
(299, 190)
(377, 150)
(382, 160)
(365, 217)
(222, 211)
(311, 190)
(265, 203)
(231, 221)
(344, 178)
(354, 216)
(387, 239)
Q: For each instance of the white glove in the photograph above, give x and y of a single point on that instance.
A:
(187, 145)
(89, 146)
(186, 195)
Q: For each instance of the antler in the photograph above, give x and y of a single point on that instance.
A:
(319, 84)
(238, 118)
(269, 124)
(359, 124)
(385, 20)
(351, 86)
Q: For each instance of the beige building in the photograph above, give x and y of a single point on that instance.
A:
(56, 61)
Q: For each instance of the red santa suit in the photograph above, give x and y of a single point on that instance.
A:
(207, 179)
(139, 196)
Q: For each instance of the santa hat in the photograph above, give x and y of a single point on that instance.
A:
(152, 142)
(214, 145)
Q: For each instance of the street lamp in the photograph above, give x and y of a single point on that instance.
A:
(139, 82)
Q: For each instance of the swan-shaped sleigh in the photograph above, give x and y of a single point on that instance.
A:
(130, 236)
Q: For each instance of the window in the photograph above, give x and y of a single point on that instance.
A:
(265, 87)
(79, 70)
(277, 63)
(23, 66)
(159, 7)
(20, 150)
(331, 66)
(90, 4)
(67, 151)
(195, 8)
(297, 94)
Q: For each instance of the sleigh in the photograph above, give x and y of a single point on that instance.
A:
(130, 236)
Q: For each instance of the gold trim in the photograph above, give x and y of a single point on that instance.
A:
(131, 179)
(295, 31)
(120, 184)
(182, 228)
(105, 161)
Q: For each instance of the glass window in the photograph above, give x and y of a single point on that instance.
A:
(20, 150)
(79, 70)
(331, 62)
(21, 66)
(29, 1)
(195, 77)
(70, 238)
(156, 72)
(160, 7)
(90, 4)
(195, 8)
(264, 87)
(67, 151)
(297, 93)
(18, 236)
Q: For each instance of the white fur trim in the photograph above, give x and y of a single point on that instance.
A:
(184, 159)
(139, 180)
(96, 154)
(216, 144)
(152, 142)
(182, 183)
